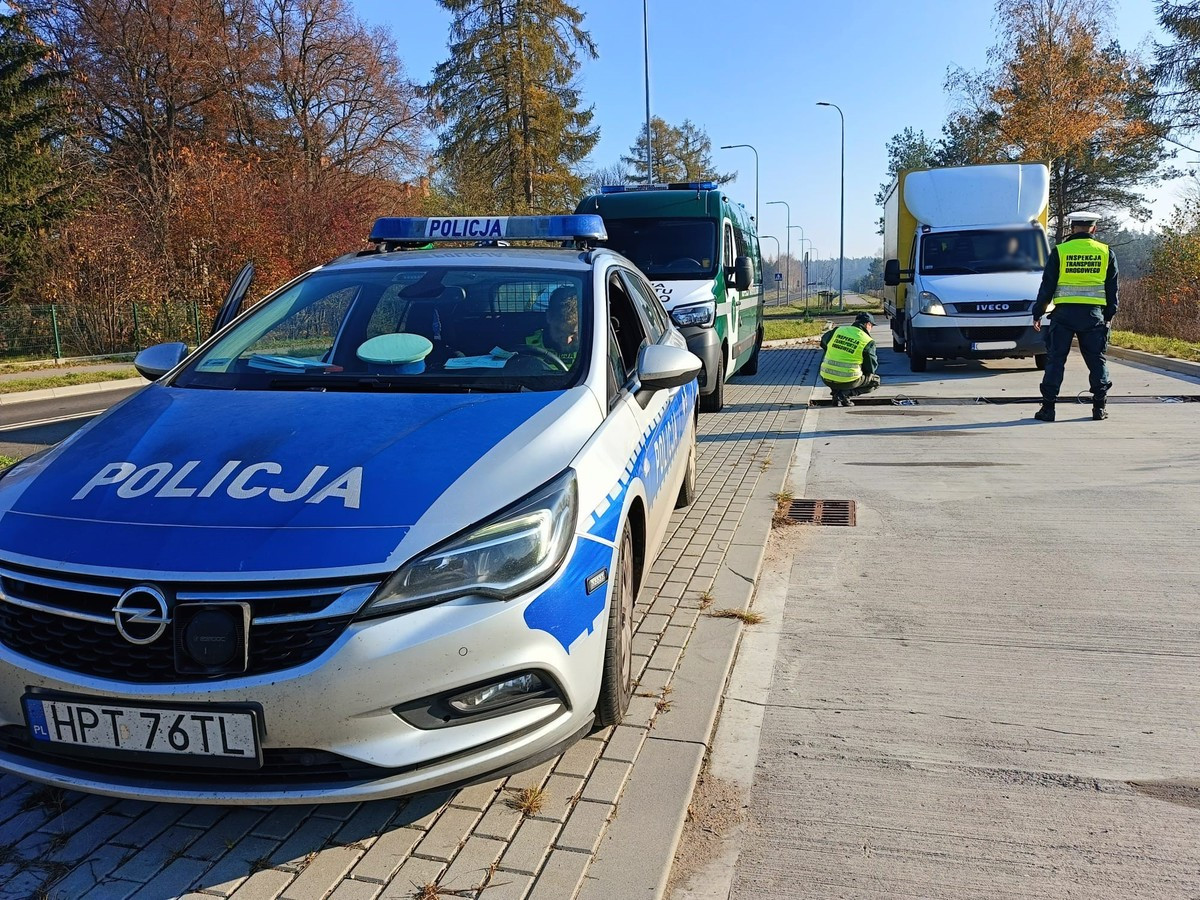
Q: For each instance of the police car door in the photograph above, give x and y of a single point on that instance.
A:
(665, 425)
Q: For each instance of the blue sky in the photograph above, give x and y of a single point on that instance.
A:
(752, 71)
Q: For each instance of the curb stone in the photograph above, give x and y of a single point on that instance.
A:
(1154, 361)
(72, 390)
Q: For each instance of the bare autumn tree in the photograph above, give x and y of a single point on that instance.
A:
(339, 94)
(221, 129)
(1059, 89)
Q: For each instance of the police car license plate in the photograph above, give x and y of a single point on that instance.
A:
(994, 345)
(227, 735)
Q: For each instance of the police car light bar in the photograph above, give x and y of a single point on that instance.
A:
(673, 186)
(488, 228)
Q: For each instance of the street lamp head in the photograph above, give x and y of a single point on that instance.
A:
(823, 103)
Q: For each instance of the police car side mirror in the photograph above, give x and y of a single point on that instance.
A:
(661, 366)
(155, 362)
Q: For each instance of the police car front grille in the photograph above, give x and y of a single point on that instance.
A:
(68, 622)
(95, 649)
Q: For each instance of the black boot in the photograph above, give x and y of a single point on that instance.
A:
(1099, 404)
(1046, 413)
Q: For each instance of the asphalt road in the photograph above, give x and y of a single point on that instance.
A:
(987, 687)
(26, 428)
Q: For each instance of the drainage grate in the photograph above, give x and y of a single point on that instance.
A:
(823, 512)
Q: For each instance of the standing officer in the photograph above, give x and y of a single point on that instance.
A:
(851, 364)
(1081, 280)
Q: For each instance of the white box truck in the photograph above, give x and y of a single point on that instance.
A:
(964, 248)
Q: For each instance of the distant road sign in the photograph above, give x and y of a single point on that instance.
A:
(779, 276)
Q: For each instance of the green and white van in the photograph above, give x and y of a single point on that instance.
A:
(700, 251)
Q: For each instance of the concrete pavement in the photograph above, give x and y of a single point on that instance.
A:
(987, 688)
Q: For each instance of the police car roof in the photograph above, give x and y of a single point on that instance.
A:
(480, 257)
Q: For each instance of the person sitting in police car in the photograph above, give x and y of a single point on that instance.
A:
(560, 334)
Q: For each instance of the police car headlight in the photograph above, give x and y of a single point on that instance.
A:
(697, 314)
(931, 304)
(512, 553)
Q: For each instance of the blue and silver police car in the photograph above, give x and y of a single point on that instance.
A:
(381, 533)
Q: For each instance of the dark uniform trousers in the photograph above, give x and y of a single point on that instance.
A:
(1086, 322)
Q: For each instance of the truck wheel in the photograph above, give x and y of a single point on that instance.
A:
(1039, 360)
(751, 366)
(715, 401)
(616, 680)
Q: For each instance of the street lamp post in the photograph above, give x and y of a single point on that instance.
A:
(772, 237)
(804, 240)
(788, 264)
(842, 238)
(804, 287)
(649, 133)
(750, 147)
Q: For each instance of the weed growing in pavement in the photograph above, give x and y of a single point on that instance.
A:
(527, 801)
(745, 616)
(706, 600)
(51, 799)
(783, 503)
(258, 865)
(426, 891)
(663, 705)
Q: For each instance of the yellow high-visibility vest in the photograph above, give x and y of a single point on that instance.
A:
(538, 339)
(1082, 270)
(844, 355)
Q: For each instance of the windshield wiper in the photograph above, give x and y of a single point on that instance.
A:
(418, 385)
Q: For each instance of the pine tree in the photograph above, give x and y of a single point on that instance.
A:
(514, 133)
(681, 153)
(35, 189)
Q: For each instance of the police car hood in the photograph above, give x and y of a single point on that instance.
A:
(192, 483)
(984, 286)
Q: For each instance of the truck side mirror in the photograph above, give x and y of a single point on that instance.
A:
(891, 272)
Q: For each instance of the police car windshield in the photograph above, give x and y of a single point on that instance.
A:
(666, 248)
(415, 328)
(991, 250)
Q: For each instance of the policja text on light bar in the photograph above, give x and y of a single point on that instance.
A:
(489, 228)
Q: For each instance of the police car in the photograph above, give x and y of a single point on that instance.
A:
(382, 532)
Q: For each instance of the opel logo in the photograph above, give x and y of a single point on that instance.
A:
(141, 614)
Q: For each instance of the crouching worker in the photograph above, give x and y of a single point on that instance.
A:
(851, 365)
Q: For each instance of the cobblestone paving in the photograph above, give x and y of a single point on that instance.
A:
(61, 845)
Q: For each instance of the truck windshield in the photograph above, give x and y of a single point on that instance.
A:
(666, 248)
(973, 252)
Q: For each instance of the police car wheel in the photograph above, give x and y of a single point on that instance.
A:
(687, 490)
(616, 683)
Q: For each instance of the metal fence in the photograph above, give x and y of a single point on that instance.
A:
(71, 331)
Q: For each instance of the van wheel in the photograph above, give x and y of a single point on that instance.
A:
(687, 490)
(1039, 360)
(751, 366)
(715, 401)
(616, 681)
(916, 362)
